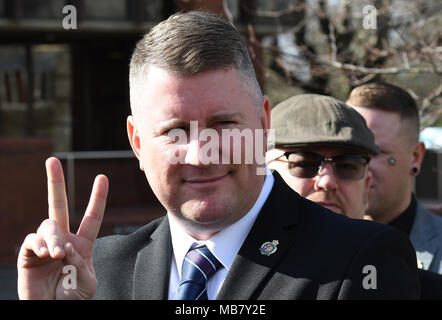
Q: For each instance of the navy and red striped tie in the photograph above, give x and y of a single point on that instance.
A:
(198, 265)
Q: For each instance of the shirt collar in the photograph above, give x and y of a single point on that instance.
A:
(225, 244)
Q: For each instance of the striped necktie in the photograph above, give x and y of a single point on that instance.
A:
(198, 265)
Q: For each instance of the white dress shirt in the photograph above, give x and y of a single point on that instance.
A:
(224, 245)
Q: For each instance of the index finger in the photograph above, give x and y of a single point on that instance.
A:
(57, 200)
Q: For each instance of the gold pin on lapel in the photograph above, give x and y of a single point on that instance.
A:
(269, 248)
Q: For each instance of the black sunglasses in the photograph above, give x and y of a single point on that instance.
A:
(308, 164)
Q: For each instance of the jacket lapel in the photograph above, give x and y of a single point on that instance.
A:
(277, 220)
(152, 267)
(424, 237)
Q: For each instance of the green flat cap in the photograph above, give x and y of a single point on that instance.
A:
(312, 119)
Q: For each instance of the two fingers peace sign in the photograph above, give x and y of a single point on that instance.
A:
(43, 254)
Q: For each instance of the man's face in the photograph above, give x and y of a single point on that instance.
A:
(204, 197)
(390, 184)
(347, 197)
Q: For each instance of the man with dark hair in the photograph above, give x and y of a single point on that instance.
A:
(391, 113)
(230, 232)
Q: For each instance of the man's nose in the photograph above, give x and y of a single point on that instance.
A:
(326, 178)
(193, 153)
(198, 155)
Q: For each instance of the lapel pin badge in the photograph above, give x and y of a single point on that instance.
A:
(420, 265)
(269, 248)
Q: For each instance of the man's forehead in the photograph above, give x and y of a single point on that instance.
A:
(212, 88)
(380, 121)
(388, 129)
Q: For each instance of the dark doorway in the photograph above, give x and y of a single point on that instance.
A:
(100, 96)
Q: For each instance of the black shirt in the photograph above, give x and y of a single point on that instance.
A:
(405, 220)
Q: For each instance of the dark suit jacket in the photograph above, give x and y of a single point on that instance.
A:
(431, 284)
(321, 255)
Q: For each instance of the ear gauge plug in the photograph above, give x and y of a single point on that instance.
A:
(414, 170)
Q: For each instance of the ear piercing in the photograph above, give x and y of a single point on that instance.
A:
(391, 161)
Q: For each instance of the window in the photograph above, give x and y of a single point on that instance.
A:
(46, 111)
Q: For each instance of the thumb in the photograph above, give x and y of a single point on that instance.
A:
(78, 279)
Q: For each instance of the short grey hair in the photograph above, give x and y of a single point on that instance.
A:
(191, 43)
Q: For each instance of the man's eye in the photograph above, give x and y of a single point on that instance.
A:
(173, 130)
(347, 166)
(303, 164)
(224, 123)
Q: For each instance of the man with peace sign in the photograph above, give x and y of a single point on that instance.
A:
(44, 253)
(233, 230)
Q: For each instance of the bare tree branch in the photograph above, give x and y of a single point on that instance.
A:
(406, 43)
(368, 70)
(274, 14)
(436, 93)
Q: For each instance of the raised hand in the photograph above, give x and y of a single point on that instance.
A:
(44, 254)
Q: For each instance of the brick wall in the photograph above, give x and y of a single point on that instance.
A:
(23, 193)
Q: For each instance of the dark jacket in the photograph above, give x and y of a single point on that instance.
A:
(320, 255)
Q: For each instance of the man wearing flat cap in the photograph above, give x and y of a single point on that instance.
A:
(322, 148)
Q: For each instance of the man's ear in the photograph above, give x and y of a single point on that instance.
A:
(265, 123)
(134, 138)
(417, 153)
(265, 113)
(368, 177)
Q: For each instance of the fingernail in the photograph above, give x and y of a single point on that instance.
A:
(57, 249)
(69, 248)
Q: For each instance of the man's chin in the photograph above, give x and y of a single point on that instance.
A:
(372, 201)
(335, 209)
(205, 212)
(203, 225)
